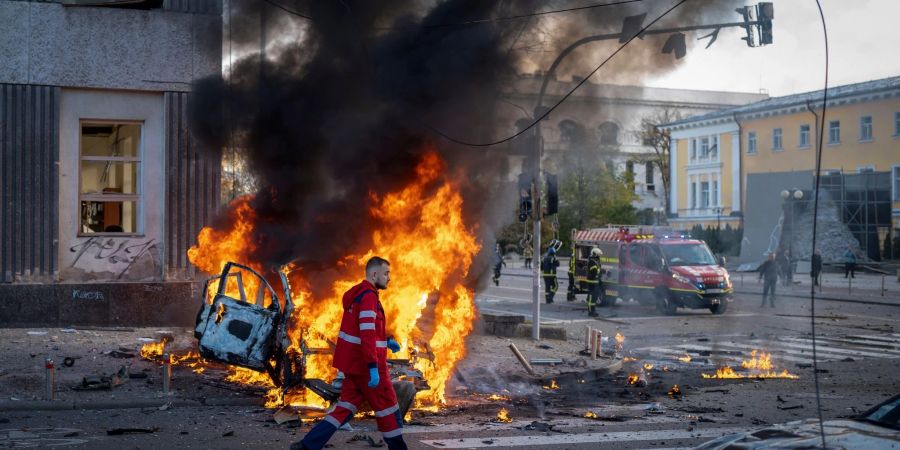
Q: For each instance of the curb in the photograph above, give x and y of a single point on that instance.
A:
(828, 299)
(47, 405)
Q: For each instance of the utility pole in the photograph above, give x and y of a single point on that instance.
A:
(631, 28)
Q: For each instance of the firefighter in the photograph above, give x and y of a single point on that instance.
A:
(595, 286)
(548, 270)
(570, 291)
(361, 354)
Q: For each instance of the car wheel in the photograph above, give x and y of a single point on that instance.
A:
(719, 308)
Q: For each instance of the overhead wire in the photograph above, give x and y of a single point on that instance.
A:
(564, 98)
(812, 289)
(477, 21)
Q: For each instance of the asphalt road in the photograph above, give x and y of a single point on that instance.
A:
(857, 350)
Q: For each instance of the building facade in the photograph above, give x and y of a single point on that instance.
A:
(768, 148)
(104, 187)
(607, 119)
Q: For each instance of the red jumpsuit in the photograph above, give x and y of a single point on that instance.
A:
(362, 344)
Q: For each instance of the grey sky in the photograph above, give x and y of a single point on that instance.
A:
(862, 39)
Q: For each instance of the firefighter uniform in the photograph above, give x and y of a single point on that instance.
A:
(594, 284)
(362, 346)
(548, 271)
(570, 292)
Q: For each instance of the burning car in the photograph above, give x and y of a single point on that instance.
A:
(255, 335)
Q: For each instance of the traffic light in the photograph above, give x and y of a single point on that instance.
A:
(552, 194)
(765, 12)
(745, 12)
(525, 204)
(676, 44)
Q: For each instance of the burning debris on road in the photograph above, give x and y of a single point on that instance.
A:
(757, 367)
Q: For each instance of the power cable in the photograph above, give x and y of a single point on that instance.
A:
(287, 10)
(812, 289)
(564, 98)
(475, 21)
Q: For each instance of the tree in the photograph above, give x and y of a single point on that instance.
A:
(593, 197)
(658, 140)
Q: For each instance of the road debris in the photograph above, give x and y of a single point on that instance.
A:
(103, 382)
(121, 431)
(521, 358)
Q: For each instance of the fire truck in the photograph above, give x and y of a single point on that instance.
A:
(656, 266)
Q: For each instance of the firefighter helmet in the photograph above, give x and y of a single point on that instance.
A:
(595, 252)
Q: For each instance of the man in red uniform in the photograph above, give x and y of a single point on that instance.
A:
(361, 354)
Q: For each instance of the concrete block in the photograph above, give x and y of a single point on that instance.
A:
(523, 330)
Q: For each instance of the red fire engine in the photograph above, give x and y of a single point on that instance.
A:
(654, 265)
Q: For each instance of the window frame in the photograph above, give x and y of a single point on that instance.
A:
(863, 127)
(804, 133)
(834, 132)
(751, 143)
(895, 182)
(649, 176)
(868, 168)
(137, 197)
(777, 139)
(896, 123)
(704, 204)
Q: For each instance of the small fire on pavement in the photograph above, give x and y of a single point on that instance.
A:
(648, 366)
(553, 386)
(675, 391)
(497, 398)
(685, 358)
(591, 415)
(503, 416)
(758, 366)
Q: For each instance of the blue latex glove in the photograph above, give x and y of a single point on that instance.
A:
(393, 345)
(374, 378)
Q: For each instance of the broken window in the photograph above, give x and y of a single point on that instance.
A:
(109, 178)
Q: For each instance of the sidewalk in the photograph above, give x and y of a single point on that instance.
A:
(866, 287)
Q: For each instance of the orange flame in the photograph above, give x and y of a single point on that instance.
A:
(759, 367)
(153, 350)
(633, 378)
(685, 358)
(591, 415)
(497, 397)
(675, 391)
(429, 309)
(503, 416)
(553, 386)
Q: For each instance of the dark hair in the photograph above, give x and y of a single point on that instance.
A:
(376, 262)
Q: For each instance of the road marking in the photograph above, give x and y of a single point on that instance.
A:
(583, 438)
(544, 318)
(794, 349)
(805, 343)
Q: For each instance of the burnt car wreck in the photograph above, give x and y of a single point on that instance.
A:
(247, 334)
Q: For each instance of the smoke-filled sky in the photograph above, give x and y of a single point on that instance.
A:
(347, 103)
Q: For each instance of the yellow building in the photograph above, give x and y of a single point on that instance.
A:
(731, 166)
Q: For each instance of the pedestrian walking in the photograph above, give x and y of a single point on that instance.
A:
(850, 262)
(498, 264)
(816, 267)
(783, 265)
(528, 253)
(361, 354)
(595, 286)
(548, 270)
(768, 272)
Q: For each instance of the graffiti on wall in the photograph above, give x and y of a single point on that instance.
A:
(117, 255)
